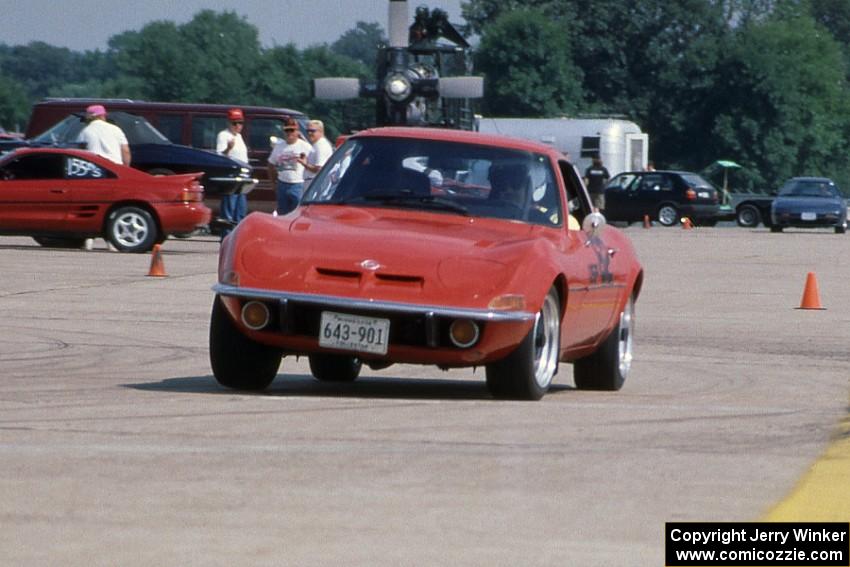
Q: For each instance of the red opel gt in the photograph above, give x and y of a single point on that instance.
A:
(63, 196)
(430, 246)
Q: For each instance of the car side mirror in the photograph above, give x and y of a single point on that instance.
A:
(593, 224)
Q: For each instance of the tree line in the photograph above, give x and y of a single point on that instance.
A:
(760, 82)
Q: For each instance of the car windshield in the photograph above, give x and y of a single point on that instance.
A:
(137, 129)
(809, 188)
(446, 177)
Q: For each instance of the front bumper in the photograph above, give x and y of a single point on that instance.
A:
(418, 333)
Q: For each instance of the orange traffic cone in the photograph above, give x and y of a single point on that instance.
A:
(687, 224)
(157, 268)
(811, 295)
(646, 222)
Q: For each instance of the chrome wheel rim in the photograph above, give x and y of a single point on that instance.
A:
(626, 338)
(130, 229)
(667, 216)
(546, 326)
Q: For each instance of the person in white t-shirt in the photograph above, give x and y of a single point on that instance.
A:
(103, 138)
(320, 153)
(229, 142)
(286, 164)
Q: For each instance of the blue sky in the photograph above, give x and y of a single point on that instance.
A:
(88, 24)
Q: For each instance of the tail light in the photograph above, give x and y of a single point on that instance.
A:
(194, 193)
(690, 194)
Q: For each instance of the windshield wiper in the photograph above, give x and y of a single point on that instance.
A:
(429, 201)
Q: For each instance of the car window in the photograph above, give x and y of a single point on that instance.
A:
(694, 180)
(205, 129)
(34, 166)
(78, 168)
(440, 176)
(656, 182)
(810, 188)
(621, 182)
(260, 130)
(171, 126)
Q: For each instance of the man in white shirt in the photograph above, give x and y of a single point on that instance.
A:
(286, 164)
(229, 142)
(320, 153)
(103, 138)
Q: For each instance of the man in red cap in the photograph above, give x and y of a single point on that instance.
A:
(103, 138)
(230, 143)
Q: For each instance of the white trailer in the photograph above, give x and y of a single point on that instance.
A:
(620, 143)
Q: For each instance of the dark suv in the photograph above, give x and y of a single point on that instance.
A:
(664, 196)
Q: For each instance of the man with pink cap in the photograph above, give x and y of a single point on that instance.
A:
(103, 138)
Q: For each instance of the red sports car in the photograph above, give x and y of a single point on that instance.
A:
(63, 196)
(430, 246)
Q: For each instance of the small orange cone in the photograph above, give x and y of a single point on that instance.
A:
(687, 224)
(646, 222)
(157, 268)
(811, 295)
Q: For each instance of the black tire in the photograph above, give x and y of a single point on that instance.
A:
(58, 242)
(609, 366)
(748, 216)
(775, 228)
(840, 229)
(237, 361)
(527, 372)
(335, 367)
(667, 215)
(131, 229)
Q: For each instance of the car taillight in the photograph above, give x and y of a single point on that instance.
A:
(194, 193)
(690, 194)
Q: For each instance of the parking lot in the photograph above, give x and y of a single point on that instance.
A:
(117, 447)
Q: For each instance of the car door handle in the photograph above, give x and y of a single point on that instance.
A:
(58, 191)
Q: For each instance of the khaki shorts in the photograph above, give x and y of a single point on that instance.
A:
(598, 200)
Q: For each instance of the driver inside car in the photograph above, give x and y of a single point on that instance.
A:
(509, 184)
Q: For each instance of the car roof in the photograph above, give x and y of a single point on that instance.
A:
(460, 136)
(673, 171)
(819, 179)
(124, 170)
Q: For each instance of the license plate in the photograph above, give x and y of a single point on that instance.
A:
(809, 216)
(703, 195)
(351, 332)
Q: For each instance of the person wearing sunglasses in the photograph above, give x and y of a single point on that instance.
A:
(229, 142)
(320, 153)
(286, 164)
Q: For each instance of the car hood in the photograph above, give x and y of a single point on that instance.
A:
(387, 254)
(813, 204)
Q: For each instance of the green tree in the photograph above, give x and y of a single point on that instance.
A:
(525, 58)
(781, 104)
(14, 105)
(361, 43)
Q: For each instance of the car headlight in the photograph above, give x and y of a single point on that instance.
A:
(398, 87)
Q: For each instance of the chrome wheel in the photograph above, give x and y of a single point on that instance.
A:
(668, 215)
(131, 229)
(625, 339)
(546, 330)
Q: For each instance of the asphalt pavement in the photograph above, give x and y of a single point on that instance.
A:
(117, 447)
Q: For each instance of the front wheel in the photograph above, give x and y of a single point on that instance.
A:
(668, 215)
(527, 372)
(237, 361)
(131, 229)
(335, 367)
(748, 216)
(609, 366)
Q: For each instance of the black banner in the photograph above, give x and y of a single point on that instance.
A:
(762, 544)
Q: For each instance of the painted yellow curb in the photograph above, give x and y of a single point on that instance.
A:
(823, 494)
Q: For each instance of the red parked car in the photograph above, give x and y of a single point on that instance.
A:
(63, 196)
(431, 246)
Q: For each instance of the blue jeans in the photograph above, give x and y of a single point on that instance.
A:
(288, 196)
(233, 208)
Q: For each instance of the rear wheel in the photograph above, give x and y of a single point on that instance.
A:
(748, 216)
(527, 372)
(609, 366)
(335, 367)
(237, 361)
(131, 229)
(668, 215)
(840, 229)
